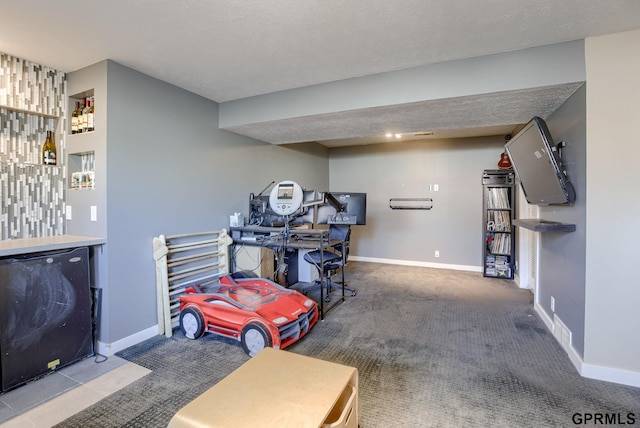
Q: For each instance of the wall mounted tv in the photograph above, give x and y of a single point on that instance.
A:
(537, 164)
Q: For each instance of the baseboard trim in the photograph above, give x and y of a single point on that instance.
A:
(624, 377)
(546, 319)
(416, 263)
(516, 279)
(591, 371)
(117, 346)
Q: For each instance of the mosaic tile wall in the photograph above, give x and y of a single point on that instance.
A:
(22, 136)
(28, 86)
(33, 202)
(32, 102)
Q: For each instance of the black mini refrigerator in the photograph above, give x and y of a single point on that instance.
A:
(45, 314)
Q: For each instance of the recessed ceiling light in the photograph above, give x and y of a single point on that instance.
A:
(398, 135)
(389, 134)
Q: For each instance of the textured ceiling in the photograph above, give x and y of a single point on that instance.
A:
(480, 115)
(226, 50)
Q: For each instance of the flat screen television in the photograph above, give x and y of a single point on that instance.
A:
(538, 166)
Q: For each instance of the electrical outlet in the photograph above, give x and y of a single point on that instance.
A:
(94, 213)
(436, 187)
(553, 304)
(68, 212)
(437, 253)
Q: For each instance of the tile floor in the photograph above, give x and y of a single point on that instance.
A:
(53, 398)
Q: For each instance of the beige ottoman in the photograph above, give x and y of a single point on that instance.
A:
(277, 389)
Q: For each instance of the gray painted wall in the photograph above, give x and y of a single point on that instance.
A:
(613, 97)
(171, 170)
(406, 170)
(562, 255)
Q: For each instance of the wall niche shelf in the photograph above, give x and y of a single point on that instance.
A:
(539, 225)
(82, 170)
(87, 95)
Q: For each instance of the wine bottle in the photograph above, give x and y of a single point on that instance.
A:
(90, 115)
(49, 150)
(74, 119)
(82, 122)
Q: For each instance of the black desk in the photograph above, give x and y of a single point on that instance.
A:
(279, 239)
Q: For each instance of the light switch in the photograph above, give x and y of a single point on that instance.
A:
(68, 212)
(94, 213)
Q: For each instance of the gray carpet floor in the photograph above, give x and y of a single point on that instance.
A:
(433, 347)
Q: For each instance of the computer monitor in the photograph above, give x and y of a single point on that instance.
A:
(343, 208)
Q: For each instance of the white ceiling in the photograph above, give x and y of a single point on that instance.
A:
(230, 49)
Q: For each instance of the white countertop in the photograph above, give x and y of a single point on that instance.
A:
(12, 247)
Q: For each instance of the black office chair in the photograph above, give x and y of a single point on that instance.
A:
(328, 262)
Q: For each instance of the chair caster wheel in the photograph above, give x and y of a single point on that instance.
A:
(353, 293)
(327, 299)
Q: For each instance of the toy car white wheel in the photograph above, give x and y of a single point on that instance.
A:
(191, 323)
(255, 337)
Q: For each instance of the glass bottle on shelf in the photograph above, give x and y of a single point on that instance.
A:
(74, 118)
(49, 150)
(82, 122)
(90, 117)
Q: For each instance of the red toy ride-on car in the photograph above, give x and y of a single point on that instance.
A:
(256, 311)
